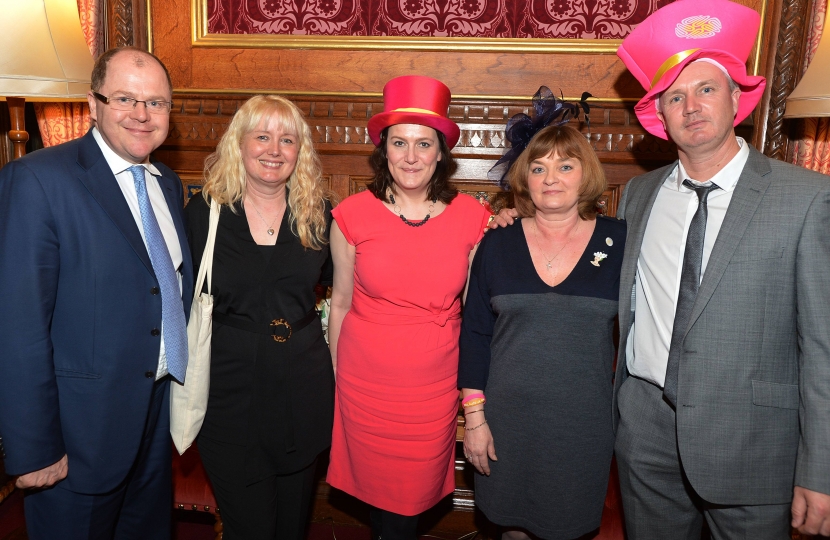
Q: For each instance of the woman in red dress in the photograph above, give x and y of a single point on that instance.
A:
(395, 315)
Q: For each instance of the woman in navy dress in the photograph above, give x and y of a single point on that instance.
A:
(537, 340)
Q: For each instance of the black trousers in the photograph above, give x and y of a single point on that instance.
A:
(275, 508)
(391, 526)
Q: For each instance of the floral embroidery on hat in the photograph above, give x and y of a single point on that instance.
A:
(698, 27)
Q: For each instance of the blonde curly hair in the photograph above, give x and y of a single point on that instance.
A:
(225, 176)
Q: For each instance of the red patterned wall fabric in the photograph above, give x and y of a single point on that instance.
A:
(577, 19)
(812, 151)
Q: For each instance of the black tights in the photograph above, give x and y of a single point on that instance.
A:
(391, 526)
(274, 508)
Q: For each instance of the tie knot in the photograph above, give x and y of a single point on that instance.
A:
(137, 172)
(702, 190)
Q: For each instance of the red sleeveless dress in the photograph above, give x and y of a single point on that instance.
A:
(397, 358)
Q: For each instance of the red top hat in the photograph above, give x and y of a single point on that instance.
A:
(414, 99)
(682, 32)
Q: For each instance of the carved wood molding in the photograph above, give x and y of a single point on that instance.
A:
(126, 23)
(339, 133)
(340, 126)
(789, 57)
(119, 23)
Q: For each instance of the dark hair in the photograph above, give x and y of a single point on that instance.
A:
(566, 142)
(439, 185)
(99, 71)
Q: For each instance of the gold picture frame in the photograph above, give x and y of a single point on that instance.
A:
(201, 38)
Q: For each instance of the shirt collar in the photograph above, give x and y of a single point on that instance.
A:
(116, 162)
(726, 179)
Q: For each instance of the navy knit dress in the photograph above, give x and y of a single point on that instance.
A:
(544, 356)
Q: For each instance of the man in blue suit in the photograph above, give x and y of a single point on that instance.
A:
(95, 282)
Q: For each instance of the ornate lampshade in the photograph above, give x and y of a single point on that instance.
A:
(811, 98)
(45, 57)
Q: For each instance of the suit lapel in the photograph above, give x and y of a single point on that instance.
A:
(639, 201)
(102, 185)
(749, 191)
(638, 208)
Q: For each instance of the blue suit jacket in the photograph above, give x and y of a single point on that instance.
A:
(77, 356)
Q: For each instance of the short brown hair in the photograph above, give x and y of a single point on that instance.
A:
(566, 142)
(99, 71)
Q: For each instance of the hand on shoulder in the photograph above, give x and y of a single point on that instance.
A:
(505, 217)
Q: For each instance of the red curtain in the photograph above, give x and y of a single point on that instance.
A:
(61, 122)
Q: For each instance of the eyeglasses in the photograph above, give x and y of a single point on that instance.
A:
(123, 103)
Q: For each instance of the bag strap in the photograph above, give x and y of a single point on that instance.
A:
(206, 265)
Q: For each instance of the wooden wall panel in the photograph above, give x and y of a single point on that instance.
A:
(470, 74)
(350, 71)
(338, 127)
(347, 71)
(486, 76)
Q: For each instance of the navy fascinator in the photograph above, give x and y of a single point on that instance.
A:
(549, 110)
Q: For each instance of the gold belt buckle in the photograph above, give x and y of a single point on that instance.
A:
(280, 322)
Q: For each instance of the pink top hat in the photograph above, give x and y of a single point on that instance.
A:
(682, 32)
(414, 99)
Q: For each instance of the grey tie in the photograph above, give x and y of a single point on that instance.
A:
(689, 283)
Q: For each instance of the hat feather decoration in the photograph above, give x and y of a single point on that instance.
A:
(549, 110)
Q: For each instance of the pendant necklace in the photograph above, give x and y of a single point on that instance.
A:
(549, 263)
(269, 228)
(397, 210)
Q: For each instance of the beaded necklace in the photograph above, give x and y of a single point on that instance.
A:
(397, 210)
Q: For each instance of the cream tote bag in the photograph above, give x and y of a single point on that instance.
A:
(188, 402)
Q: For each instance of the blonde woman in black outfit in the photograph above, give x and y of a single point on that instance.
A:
(271, 389)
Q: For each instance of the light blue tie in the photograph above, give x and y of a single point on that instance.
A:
(172, 312)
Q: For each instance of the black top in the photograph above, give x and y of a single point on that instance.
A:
(274, 398)
(503, 266)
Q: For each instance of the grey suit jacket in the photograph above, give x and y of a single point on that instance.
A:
(753, 414)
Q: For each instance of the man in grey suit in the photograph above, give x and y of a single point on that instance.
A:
(722, 390)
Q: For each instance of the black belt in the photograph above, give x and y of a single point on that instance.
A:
(279, 329)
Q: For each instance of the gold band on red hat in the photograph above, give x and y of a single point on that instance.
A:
(416, 110)
(672, 61)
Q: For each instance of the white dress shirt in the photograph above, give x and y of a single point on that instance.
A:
(660, 263)
(120, 168)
